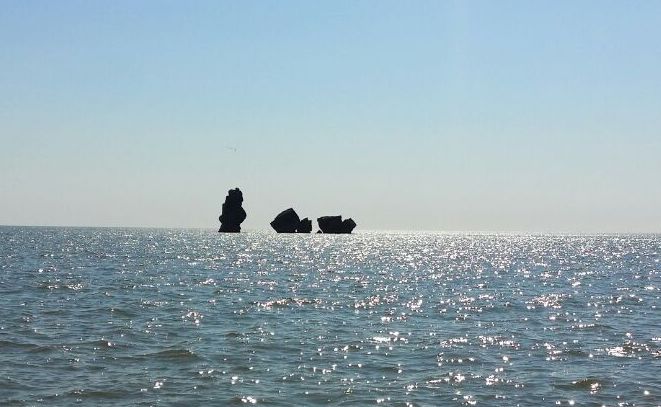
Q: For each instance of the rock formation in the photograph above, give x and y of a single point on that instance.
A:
(335, 224)
(232, 214)
(288, 221)
(304, 226)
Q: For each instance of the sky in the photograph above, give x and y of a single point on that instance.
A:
(523, 116)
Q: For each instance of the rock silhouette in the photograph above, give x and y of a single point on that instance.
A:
(304, 226)
(232, 213)
(288, 221)
(335, 224)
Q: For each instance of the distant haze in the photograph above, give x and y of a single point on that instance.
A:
(425, 115)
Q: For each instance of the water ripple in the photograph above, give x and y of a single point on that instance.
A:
(147, 317)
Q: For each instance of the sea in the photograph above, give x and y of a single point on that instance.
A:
(173, 317)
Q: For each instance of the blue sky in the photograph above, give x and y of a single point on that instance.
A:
(504, 116)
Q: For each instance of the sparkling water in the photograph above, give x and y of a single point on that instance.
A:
(175, 317)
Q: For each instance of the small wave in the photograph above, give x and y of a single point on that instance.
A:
(120, 312)
(97, 394)
(553, 300)
(9, 383)
(13, 402)
(27, 347)
(41, 348)
(389, 369)
(242, 400)
(576, 352)
(102, 343)
(592, 327)
(20, 345)
(590, 384)
(173, 354)
(57, 285)
(628, 349)
(286, 302)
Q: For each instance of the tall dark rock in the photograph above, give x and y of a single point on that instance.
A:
(288, 221)
(334, 224)
(232, 214)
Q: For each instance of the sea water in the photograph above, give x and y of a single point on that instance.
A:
(192, 317)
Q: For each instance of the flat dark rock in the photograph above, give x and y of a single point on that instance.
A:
(335, 225)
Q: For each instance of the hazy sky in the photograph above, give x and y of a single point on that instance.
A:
(497, 115)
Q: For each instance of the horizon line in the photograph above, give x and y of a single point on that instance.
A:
(359, 231)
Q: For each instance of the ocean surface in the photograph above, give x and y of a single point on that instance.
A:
(192, 317)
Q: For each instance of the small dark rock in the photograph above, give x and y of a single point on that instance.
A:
(348, 225)
(232, 213)
(334, 224)
(304, 226)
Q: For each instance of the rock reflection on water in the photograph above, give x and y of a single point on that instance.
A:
(130, 316)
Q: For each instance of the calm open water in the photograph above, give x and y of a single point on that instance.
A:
(193, 317)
